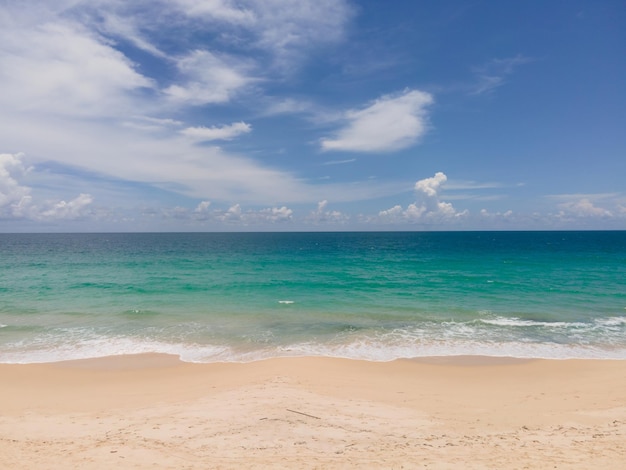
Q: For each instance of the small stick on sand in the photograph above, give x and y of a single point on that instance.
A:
(304, 414)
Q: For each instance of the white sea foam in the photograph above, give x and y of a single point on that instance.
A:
(612, 321)
(286, 302)
(363, 348)
(48, 349)
(491, 336)
(515, 322)
(373, 351)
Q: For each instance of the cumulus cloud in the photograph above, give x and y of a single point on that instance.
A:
(17, 202)
(217, 133)
(276, 214)
(14, 197)
(584, 208)
(497, 215)
(430, 186)
(233, 215)
(203, 207)
(63, 210)
(321, 215)
(389, 123)
(428, 207)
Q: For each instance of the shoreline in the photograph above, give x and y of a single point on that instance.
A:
(155, 411)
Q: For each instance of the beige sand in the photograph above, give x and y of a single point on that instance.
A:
(155, 412)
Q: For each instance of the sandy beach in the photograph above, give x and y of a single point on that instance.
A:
(153, 411)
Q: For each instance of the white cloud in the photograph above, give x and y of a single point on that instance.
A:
(588, 206)
(203, 207)
(339, 162)
(61, 68)
(496, 215)
(286, 27)
(390, 123)
(125, 26)
(17, 202)
(14, 197)
(430, 186)
(70, 95)
(428, 207)
(233, 215)
(63, 210)
(220, 10)
(584, 208)
(208, 78)
(276, 214)
(493, 74)
(150, 124)
(217, 133)
(321, 215)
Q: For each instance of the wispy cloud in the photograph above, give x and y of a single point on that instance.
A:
(392, 122)
(217, 133)
(207, 78)
(71, 94)
(493, 74)
(339, 162)
(60, 68)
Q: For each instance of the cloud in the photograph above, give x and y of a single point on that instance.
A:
(339, 162)
(72, 95)
(322, 216)
(496, 215)
(430, 186)
(217, 133)
(203, 207)
(234, 215)
(286, 27)
(428, 207)
(589, 206)
(583, 208)
(389, 123)
(14, 197)
(63, 210)
(151, 124)
(493, 74)
(61, 68)
(17, 202)
(217, 10)
(276, 214)
(208, 78)
(124, 26)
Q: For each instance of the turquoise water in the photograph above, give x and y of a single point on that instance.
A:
(376, 296)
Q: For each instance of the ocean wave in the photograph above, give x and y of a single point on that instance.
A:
(231, 340)
(515, 322)
(371, 345)
(44, 350)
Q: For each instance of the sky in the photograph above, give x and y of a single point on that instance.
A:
(307, 115)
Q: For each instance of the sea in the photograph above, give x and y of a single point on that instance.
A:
(378, 296)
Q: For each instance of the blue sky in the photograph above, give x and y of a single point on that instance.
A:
(312, 115)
